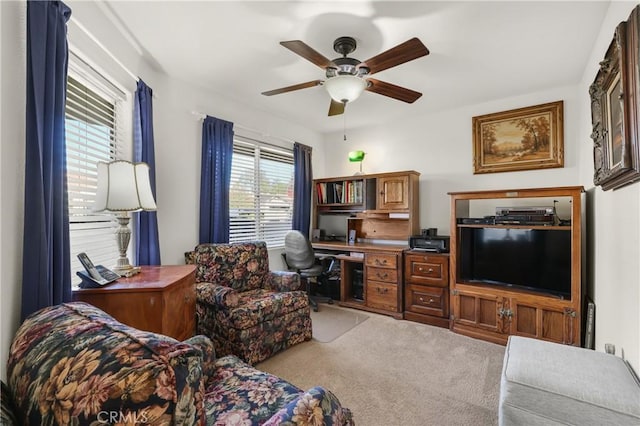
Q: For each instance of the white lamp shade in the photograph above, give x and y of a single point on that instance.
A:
(345, 88)
(123, 187)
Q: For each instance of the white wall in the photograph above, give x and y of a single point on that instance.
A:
(439, 146)
(614, 231)
(12, 134)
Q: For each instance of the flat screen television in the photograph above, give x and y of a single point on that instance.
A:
(534, 259)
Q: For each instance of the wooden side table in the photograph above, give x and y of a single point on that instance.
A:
(160, 299)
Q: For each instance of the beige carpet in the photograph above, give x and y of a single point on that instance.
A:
(393, 372)
(331, 322)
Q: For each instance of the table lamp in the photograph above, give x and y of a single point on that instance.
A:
(124, 187)
(357, 157)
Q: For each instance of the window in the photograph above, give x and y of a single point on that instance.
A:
(261, 193)
(91, 121)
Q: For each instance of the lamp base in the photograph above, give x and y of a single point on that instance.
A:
(127, 271)
(123, 235)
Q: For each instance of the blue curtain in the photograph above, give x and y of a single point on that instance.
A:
(215, 179)
(147, 244)
(46, 270)
(302, 186)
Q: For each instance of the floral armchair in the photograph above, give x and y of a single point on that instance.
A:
(247, 310)
(72, 364)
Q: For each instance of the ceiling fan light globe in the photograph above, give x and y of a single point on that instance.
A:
(345, 88)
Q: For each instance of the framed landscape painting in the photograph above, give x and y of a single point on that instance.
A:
(520, 139)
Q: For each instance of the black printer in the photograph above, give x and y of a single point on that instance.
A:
(433, 243)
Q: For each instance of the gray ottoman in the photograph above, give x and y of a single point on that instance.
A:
(547, 383)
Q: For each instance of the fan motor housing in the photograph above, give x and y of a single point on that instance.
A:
(342, 66)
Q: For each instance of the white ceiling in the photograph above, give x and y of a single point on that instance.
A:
(480, 51)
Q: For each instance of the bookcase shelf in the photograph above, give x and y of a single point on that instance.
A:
(340, 192)
(384, 205)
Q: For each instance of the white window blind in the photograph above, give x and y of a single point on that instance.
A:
(261, 193)
(91, 136)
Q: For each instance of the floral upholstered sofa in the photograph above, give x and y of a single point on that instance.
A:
(73, 364)
(246, 309)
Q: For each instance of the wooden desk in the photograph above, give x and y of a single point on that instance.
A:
(381, 266)
(160, 299)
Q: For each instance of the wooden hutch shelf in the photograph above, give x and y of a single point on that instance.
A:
(379, 209)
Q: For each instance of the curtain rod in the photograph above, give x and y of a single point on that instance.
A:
(81, 61)
(103, 47)
(202, 116)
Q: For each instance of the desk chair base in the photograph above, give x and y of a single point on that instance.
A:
(314, 300)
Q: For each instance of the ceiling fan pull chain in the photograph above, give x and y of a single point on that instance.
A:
(344, 123)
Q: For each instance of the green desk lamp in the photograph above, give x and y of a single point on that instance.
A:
(357, 157)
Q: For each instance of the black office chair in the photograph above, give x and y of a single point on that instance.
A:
(299, 256)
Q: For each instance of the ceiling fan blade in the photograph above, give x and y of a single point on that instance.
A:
(392, 91)
(404, 52)
(336, 108)
(304, 50)
(292, 88)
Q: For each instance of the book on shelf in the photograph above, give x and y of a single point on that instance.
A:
(340, 192)
(321, 191)
(357, 191)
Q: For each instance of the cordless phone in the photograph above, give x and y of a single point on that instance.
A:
(95, 276)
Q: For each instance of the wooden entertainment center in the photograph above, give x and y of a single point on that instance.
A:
(493, 312)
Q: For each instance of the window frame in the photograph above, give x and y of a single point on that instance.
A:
(92, 232)
(265, 220)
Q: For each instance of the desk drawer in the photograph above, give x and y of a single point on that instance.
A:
(427, 300)
(382, 260)
(427, 269)
(381, 274)
(382, 296)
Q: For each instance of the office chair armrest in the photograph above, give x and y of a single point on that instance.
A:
(283, 281)
(314, 403)
(216, 295)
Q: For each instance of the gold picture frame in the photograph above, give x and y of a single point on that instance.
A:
(527, 138)
(615, 115)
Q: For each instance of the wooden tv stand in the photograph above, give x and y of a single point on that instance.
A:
(493, 312)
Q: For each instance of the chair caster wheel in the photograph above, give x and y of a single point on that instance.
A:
(315, 309)
(330, 302)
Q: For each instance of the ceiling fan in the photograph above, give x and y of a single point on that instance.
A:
(347, 78)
